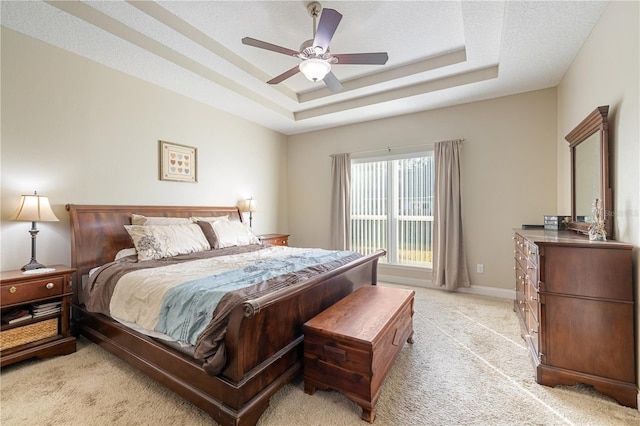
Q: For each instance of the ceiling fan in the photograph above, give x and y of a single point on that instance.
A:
(316, 58)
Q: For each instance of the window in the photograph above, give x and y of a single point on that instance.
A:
(391, 208)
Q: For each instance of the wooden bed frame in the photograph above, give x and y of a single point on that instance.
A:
(264, 336)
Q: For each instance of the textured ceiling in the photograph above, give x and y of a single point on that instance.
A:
(441, 53)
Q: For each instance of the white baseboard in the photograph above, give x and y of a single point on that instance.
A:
(501, 293)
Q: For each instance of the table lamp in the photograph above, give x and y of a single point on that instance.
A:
(249, 205)
(34, 208)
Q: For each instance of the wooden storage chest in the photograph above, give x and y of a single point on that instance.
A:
(351, 346)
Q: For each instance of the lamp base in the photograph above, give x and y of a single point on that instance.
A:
(32, 265)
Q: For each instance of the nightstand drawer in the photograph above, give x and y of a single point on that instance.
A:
(279, 241)
(32, 290)
(275, 239)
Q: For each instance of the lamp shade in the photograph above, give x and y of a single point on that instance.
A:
(34, 208)
(248, 205)
(252, 205)
(315, 69)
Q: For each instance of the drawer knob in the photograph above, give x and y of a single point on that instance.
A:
(13, 289)
(49, 286)
(533, 298)
(533, 331)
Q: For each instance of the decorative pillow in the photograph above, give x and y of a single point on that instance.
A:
(156, 242)
(231, 234)
(137, 219)
(206, 224)
(125, 252)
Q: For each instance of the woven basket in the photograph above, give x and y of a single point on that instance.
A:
(28, 333)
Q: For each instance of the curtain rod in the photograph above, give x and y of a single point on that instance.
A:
(388, 149)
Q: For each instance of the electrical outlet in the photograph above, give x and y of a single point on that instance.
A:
(480, 268)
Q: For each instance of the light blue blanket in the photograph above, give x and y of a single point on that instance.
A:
(188, 308)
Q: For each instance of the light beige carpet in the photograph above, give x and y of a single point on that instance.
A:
(468, 366)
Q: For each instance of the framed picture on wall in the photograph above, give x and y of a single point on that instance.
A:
(178, 163)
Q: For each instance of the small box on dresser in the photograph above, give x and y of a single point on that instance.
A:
(43, 334)
(556, 223)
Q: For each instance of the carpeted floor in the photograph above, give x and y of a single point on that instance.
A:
(468, 366)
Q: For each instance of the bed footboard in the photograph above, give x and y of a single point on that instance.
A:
(264, 335)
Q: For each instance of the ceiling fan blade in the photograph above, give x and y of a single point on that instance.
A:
(329, 20)
(285, 75)
(377, 58)
(332, 82)
(268, 46)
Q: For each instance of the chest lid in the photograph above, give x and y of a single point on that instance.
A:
(363, 314)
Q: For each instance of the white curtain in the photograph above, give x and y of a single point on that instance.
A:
(449, 261)
(341, 201)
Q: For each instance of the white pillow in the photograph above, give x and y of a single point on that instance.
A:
(138, 219)
(125, 252)
(156, 242)
(231, 234)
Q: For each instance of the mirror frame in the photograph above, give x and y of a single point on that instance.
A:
(594, 122)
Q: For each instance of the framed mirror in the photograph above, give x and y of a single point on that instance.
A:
(589, 146)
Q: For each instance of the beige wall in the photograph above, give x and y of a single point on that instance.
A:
(83, 133)
(508, 174)
(606, 72)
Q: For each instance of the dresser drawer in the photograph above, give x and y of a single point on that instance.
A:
(532, 298)
(521, 258)
(533, 331)
(532, 251)
(32, 290)
(532, 273)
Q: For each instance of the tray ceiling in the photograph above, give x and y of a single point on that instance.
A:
(441, 53)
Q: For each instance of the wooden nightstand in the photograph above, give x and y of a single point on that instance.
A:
(275, 239)
(40, 336)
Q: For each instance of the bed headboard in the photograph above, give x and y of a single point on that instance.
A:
(98, 233)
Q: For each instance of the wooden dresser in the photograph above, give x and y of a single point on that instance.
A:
(575, 301)
(351, 346)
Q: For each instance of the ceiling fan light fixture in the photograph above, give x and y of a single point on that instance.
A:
(315, 69)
